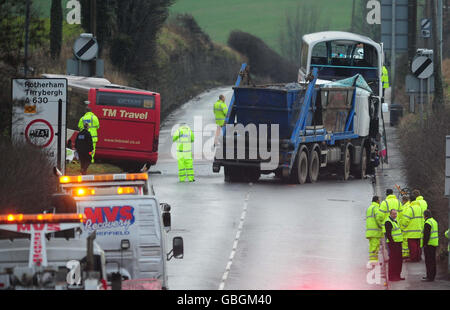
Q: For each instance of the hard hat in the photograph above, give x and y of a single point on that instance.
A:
(87, 102)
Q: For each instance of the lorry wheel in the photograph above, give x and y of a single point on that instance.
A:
(235, 174)
(251, 174)
(227, 172)
(300, 169)
(314, 166)
(279, 174)
(345, 168)
(360, 172)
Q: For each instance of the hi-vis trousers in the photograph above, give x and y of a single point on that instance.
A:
(93, 151)
(185, 166)
(405, 248)
(374, 248)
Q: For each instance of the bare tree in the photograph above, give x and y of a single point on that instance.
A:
(305, 19)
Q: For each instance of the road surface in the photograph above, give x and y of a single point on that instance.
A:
(262, 236)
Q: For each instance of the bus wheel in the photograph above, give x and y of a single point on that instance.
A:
(314, 166)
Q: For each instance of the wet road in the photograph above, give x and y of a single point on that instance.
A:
(266, 235)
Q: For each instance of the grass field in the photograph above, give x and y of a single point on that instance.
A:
(43, 7)
(262, 18)
(74, 168)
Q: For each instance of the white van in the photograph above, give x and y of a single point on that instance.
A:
(131, 226)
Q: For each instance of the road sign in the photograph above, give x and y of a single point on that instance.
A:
(85, 47)
(422, 67)
(39, 132)
(39, 116)
(425, 27)
(447, 166)
(412, 84)
(401, 25)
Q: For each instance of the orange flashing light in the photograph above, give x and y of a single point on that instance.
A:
(42, 218)
(103, 177)
(64, 179)
(81, 191)
(126, 190)
(14, 217)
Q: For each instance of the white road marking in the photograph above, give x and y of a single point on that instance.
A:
(236, 242)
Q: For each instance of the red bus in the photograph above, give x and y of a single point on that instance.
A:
(129, 119)
(129, 124)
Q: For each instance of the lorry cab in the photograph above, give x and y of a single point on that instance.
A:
(130, 224)
(339, 55)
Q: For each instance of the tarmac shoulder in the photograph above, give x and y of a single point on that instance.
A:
(388, 176)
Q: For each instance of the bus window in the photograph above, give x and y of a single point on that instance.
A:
(358, 52)
(125, 100)
(340, 54)
(304, 56)
(319, 54)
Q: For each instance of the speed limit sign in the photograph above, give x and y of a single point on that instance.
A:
(39, 132)
(39, 116)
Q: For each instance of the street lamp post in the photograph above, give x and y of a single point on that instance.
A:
(27, 26)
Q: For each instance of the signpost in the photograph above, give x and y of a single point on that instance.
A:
(85, 48)
(85, 61)
(39, 116)
(394, 33)
(447, 179)
(425, 27)
(447, 166)
(421, 68)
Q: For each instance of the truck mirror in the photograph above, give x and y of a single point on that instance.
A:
(124, 244)
(165, 207)
(178, 248)
(57, 172)
(116, 281)
(166, 219)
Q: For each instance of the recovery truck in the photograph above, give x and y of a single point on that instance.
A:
(322, 123)
(46, 251)
(130, 224)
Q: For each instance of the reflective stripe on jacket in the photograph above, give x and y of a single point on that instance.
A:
(434, 233)
(373, 227)
(446, 236)
(93, 122)
(391, 202)
(185, 137)
(422, 202)
(396, 232)
(412, 221)
(385, 77)
(220, 112)
(400, 211)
